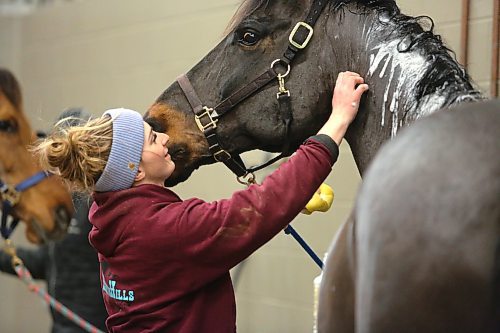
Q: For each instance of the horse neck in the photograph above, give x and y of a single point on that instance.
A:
(404, 84)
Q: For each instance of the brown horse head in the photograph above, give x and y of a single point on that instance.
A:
(409, 70)
(46, 207)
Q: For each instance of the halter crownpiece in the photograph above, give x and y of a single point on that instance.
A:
(207, 118)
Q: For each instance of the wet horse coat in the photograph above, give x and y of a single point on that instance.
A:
(410, 73)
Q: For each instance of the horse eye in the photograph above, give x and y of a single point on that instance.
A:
(248, 38)
(7, 126)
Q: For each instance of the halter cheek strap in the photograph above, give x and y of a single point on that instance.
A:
(10, 196)
(206, 118)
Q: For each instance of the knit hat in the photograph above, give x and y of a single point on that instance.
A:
(126, 151)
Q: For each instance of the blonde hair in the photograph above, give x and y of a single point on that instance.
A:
(78, 153)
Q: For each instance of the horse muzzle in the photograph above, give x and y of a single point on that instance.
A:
(36, 233)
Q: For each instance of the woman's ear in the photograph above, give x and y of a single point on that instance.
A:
(141, 174)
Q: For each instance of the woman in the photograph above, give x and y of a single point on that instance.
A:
(165, 262)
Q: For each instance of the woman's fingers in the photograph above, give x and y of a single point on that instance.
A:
(349, 78)
(351, 73)
(356, 80)
(339, 78)
(349, 86)
(358, 92)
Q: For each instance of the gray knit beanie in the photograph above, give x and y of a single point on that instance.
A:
(126, 151)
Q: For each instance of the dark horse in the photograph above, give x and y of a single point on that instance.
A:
(45, 206)
(422, 252)
(410, 73)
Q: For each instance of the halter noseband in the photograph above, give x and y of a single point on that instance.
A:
(10, 196)
(206, 118)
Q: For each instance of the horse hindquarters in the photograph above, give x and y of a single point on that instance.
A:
(428, 228)
(336, 297)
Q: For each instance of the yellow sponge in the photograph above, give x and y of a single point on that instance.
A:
(321, 200)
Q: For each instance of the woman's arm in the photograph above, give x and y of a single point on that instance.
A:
(223, 233)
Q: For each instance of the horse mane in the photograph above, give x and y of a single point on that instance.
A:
(10, 88)
(418, 34)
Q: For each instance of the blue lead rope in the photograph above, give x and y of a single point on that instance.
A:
(289, 230)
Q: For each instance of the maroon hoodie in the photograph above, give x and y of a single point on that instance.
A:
(165, 262)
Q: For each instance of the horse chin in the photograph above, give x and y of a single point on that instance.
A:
(35, 234)
(183, 171)
(175, 179)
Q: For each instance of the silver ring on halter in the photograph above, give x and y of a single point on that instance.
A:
(287, 70)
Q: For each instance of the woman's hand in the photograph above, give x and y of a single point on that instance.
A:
(345, 103)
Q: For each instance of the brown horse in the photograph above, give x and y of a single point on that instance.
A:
(239, 106)
(46, 207)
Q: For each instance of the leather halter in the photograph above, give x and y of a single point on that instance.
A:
(206, 118)
(10, 196)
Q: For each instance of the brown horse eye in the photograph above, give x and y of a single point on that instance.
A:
(7, 126)
(248, 38)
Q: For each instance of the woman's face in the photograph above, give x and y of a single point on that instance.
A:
(156, 161)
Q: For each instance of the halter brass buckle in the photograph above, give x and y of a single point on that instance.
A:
(10, 249)
(247, 179)
(222, 155)
(294, 31)
(282, 89)
(10, 194)
(211, 124)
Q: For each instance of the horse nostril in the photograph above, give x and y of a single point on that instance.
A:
(176, 152)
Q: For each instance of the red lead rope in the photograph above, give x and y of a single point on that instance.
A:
(26, 277)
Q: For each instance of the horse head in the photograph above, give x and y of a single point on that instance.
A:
(46, 207)
(409, 71)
